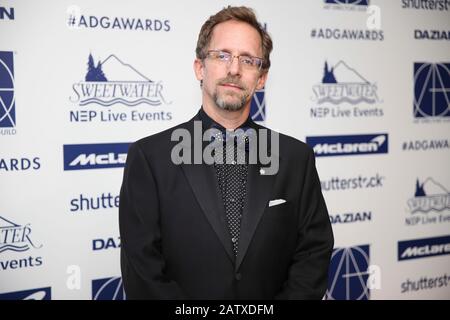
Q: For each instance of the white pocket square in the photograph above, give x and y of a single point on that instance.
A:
(276, 202)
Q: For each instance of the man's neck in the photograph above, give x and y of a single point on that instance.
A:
(228, 119)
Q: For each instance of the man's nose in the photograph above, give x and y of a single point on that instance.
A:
(234, 67)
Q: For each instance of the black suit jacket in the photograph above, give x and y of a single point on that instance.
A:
(175, 242)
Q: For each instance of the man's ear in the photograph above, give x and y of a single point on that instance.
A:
(199, 69)
(262, 80)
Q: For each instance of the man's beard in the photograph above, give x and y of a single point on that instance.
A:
(227, 105)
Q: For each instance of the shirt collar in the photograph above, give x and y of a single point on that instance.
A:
(210, 123)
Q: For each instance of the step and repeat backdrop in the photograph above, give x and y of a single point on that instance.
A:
(365, 83)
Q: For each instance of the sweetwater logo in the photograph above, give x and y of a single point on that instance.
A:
(423, 248)
(7, 96)
(108, 289)
(32, 294)
(432, 91)
(344, 93)
(95, 156)
(15, 237)
(351, 5)
(113, 82)
(327, 146)
(349, 274)
(258, 106)
(431, 200)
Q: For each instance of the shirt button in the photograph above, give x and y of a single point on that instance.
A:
(233, 162)
(238, 276)
(232, 200)
(234, 239)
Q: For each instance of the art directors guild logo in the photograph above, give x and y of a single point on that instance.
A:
(351, 276)
(7, 96)
(110, 85)
(360, 5)
(430, 204)
(344, 93)
(431, 92)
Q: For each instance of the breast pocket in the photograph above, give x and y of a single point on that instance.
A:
(282, 209)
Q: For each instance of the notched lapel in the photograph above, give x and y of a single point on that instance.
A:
(202, 179)
(259, 188)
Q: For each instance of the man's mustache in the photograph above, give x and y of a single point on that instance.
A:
(231, 80)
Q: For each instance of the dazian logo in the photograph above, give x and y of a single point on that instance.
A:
(423, 248)
(15, 237)
(7, 96)
(327, 146)
(31, 294)
(350, 275)
(431, 34)
(431, 90)
(351, 217)
(258, 106)
(104, 244)
(341, 83)
(6, 13)
(113, 81)
(108, 289)
(95, 156)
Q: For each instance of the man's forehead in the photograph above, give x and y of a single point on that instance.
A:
(235, 35)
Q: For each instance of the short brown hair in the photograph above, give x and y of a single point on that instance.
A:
(243, 14)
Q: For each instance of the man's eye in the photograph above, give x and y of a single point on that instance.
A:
(247, 60)
(222, 56)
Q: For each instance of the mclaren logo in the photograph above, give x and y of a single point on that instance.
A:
(348, 145)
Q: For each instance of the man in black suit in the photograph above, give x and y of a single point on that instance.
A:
(231, 229)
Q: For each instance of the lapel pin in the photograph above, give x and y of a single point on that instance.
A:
(262, 172)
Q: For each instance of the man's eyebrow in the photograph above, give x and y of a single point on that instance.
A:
(242, 53)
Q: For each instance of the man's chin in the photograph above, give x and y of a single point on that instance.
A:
(230, 106)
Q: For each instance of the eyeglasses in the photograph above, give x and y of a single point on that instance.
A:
(245, 61)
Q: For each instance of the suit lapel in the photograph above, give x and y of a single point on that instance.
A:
(259, 188)
(203, 182)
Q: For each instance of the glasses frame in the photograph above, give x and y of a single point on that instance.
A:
(231, 57)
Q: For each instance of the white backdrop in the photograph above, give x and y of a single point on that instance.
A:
(63, 140)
